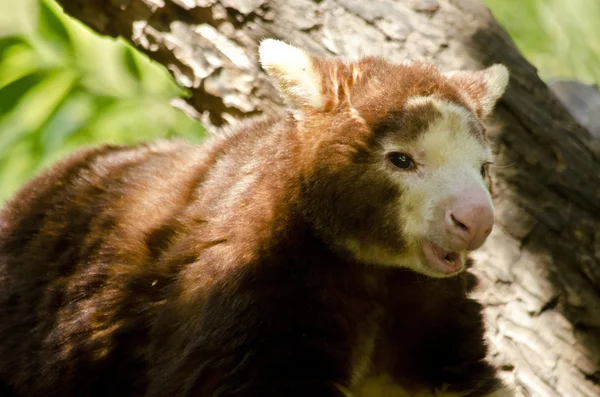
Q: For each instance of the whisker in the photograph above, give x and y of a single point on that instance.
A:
(501, 166)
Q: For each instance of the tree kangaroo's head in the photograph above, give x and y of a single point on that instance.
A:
(394, 163)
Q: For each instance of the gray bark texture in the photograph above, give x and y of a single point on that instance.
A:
(540, 269)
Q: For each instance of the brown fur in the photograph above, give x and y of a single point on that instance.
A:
(173, 270)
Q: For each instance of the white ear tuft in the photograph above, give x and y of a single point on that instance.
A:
(294, 72)
(496, 80)
(484, 87)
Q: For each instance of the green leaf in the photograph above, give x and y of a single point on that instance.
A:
(70, 117)
(8, 42)
(17, 60)
(35, 108)
(131, 63)
(12, 93)
(99, 106)
(17, 166)
(53, 29)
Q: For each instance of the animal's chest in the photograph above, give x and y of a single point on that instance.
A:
(377, 382)
(385, 386)
(396, 356)
(372, 379)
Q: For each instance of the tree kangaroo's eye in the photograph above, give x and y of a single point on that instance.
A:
(401, 160)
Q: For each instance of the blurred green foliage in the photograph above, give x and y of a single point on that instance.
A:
(62, 86)
(560, 37)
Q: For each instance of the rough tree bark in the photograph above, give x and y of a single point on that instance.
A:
(541, 266)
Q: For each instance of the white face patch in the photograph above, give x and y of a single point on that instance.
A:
(448, 157)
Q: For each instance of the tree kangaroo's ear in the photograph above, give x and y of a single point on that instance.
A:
(483, 88)
(295, 73)
(300, 77)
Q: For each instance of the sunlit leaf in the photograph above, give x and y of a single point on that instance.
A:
(89, 90)
(131, 64)
(18, 60)
(53, 29)
(35, 108)
(12, 93)
(71, 116)
(16, 168)
(98, 107)
(9, 41)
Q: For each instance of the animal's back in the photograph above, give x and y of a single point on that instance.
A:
(79, 272)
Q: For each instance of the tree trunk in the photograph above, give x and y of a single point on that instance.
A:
(540, 269)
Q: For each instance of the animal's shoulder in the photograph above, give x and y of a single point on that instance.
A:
(97, 197)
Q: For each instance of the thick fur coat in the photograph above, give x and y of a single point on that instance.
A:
(277, 259)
